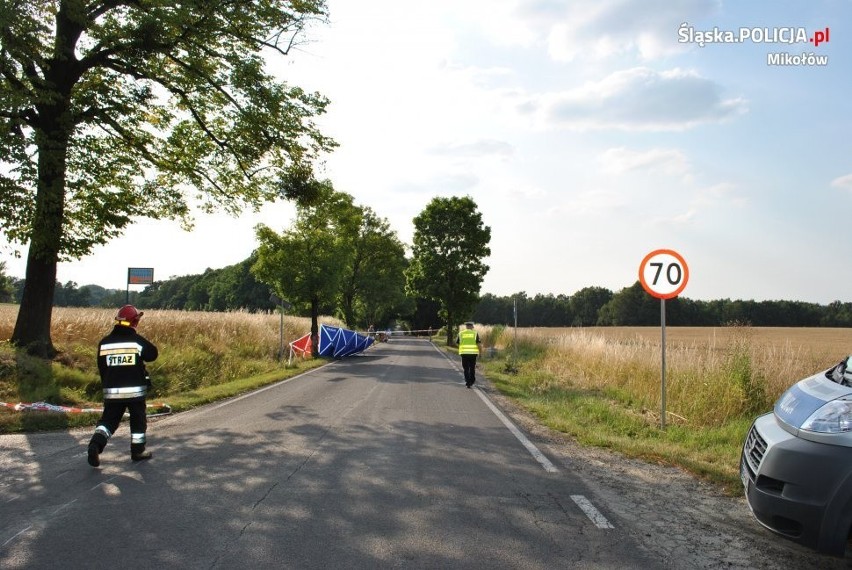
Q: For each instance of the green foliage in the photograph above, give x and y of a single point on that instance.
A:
(222, 116)
(592, 306)
(306, 263)
(450, 242)
(632, 306)
(373, 283)
(111, 111)
(7, 289)
(586, 305)
(746, 380)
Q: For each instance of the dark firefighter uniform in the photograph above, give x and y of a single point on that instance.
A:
(122, 355)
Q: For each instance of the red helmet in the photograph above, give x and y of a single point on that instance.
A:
(128, 316)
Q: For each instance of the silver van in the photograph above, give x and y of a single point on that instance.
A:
(796, 462)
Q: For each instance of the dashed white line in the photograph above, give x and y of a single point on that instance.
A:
(594, 515)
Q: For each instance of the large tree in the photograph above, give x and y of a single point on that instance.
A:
(632, 306)
(586, 304)
(450, 242)
(112, 110)
(373, 285)
(305, 264)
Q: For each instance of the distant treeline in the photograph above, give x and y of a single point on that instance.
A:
(632, 306)
(234, 288)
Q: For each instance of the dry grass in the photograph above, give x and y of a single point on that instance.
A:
(168, 328)
(197, 349)
(712, 374)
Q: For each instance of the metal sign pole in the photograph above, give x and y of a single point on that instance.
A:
(663, 367)
(663, 274)
(281, 334)
(515, 343)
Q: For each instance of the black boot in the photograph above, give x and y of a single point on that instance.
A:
(138, 453)
(94, 455)
(96, 446)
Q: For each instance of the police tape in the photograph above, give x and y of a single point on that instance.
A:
(161, 409)
(401, 332)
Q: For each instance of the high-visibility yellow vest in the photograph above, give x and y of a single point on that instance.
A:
(467, 342)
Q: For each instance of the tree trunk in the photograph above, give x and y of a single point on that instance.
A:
(32, 329)
(348, 307)
(315, 327)
(450, 339)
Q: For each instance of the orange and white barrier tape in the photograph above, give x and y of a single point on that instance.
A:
(162, 409)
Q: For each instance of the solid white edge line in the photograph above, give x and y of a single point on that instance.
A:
(530, 446)
(265, 388)
(17, 535)
(534, 451)
(594, 515)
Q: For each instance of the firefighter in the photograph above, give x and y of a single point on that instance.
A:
(122, 355)
(470, 346)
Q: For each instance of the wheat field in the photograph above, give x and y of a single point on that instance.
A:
(713, 374)
(167, 327)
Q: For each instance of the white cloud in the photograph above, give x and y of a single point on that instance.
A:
(475, 149)
(639, 99)
(844, 182)
(722, 193)
(579, 29)
(599, 29)
(598, 203)
(670, 162)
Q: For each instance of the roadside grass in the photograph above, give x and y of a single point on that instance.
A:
(614, 421)
(204, 357)
(602, 387)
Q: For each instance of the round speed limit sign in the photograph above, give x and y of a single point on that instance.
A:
(663, 273)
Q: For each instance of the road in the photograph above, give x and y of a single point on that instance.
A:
(383, 460)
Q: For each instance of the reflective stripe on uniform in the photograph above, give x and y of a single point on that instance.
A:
(103, 431)
(137, 438)
(125, 392)
(467, 342)
(120, 353)
(120, 348)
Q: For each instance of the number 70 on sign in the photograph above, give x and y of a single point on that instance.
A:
(663, 273)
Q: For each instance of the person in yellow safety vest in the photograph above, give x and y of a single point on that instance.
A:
(470, 346)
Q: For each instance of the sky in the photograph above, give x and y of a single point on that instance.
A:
(588, 132)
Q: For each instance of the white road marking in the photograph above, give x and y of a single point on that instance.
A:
(534, 451)
(256, 392)
(65, 506)
(594, 515)
(17, 535)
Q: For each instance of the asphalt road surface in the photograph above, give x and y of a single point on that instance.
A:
(383, 460)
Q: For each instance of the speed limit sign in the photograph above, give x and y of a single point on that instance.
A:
(663, 273)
